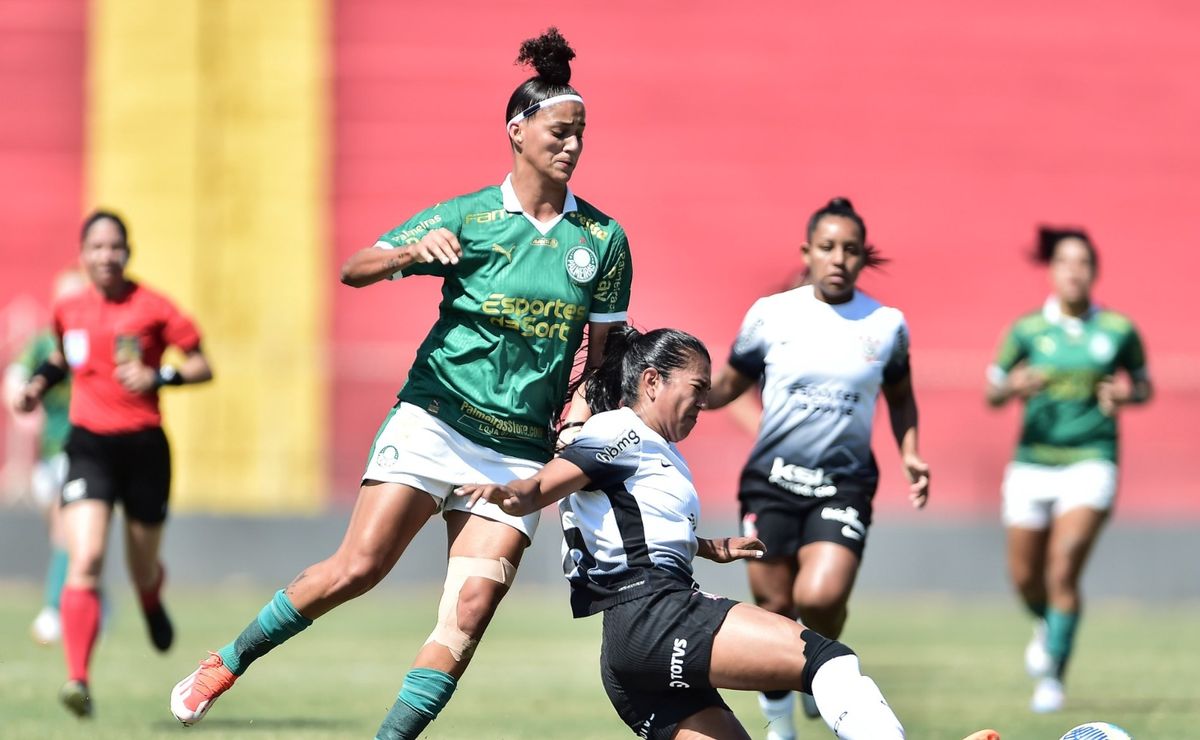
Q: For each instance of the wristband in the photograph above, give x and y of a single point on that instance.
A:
(51, 373)
(167, 375)
(571, 425)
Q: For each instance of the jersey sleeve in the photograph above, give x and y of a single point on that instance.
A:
(605, 457)
(749, 352)
(1132, 355)
(441, 216)
(610, 300)
(898, 364)
(1012, 350)
(178, 329)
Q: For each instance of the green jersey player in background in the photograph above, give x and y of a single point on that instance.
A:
(50, 470)
(525, 266)
(1063, 362)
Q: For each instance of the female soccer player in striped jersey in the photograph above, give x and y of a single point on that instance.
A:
(1058, 490)
(525, 266)
(629, 513)
(822, 352)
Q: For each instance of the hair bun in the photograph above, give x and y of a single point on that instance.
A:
(841, 204)
(550, 55)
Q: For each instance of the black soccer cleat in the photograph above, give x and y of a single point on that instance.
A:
(162, 634)
(76, 698)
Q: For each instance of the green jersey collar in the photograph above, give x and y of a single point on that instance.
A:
(1052, 312)
(512, 205)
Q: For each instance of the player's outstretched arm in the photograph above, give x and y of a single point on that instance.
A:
(556, 480)
(728, 549)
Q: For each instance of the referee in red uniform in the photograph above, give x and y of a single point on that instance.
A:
(112, 338)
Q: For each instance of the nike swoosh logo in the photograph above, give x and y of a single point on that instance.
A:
(850, 533)
(665, 464)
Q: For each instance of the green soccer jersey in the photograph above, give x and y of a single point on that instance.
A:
(57, 400)
(497, 363)
(1063, 422)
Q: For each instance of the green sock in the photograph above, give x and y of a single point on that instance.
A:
(1060, 637)
(56, 575)
(277, 622)
(424, 693)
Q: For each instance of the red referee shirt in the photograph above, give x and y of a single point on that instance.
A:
(97, 334)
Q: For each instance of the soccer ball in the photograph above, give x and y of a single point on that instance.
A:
(1096, 731)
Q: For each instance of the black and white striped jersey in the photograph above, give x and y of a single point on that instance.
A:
(820, 366)
(633, 527)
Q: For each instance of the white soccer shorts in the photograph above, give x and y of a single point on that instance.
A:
(1035, 494)
(417, 449)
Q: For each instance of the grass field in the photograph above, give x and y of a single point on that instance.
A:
(947, 668)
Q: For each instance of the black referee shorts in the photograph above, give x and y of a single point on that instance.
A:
(132, 468)
(785, 521)
(655, 658)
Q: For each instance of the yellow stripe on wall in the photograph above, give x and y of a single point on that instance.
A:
(207, 130)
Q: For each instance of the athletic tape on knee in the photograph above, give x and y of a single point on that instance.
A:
(818, 650)
(458, 570)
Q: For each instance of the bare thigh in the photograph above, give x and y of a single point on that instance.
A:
(757, 650)
(85, 528)
(385, 519)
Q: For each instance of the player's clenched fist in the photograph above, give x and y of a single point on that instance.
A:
(439, 245)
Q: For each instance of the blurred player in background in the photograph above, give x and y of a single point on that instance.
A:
(112, 337)
(524, 266)
(50, 470)
(1062, 362)
(629, 511)
(821, 354)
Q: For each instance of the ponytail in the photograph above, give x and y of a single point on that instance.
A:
(627, 354)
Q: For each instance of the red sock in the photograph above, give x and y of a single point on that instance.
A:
(149, 597)
(80, 610)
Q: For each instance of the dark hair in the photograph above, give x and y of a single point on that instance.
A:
(627, 353)
(1049, 237)
(843, 208)
(100, 215)
(551, 56)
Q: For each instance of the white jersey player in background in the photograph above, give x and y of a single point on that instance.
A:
(821, 353)
(630, 511)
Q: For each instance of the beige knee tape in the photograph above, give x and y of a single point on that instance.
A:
(458, 570)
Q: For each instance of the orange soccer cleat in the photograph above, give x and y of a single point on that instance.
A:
(194, 696)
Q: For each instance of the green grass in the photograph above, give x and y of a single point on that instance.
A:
(946, 667)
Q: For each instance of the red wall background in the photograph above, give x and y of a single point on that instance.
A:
(716, 128)
(41, 152)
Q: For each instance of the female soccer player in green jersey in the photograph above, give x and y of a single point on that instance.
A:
(525, 266)
(1058, 490)
(50, 471)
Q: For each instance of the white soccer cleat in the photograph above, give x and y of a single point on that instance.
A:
(46, 627)
(1048, 696)
(1038, 663)
(194, 696)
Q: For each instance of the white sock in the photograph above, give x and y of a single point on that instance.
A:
(851, 703)
(778, 713)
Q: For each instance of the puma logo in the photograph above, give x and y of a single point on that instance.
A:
(506, 252)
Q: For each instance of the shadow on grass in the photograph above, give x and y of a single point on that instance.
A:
(265, 725)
